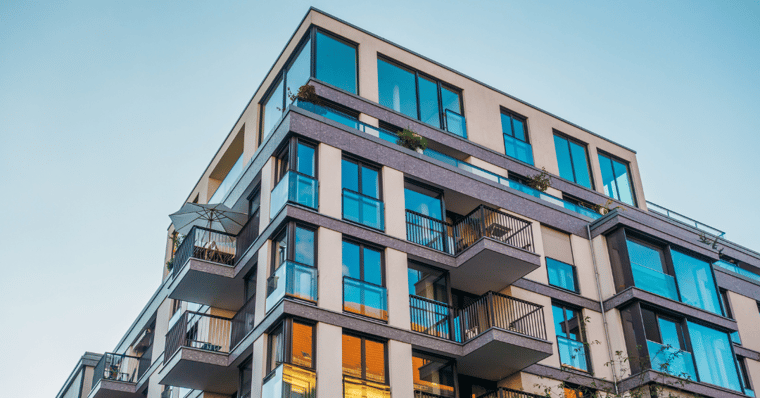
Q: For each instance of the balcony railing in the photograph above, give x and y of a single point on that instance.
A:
(740, 271)
(119, 367)
(502, 392)
(243, 322)
(482, 222)
(572, 353)
(201, 331)
(290, 381)
(205, 244)
(294, 187)
(292, 280)
(425, 394)
(685, 220)
(490, 310)
(363, 209)
(391, 137)
(654, 281)
(456, 124)
(247, 234)
(519, 150)
(363, 298)
(357, 388)
(671, 360)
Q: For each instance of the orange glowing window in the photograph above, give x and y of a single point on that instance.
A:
(303, 345)
(364, 359)
(352, 356)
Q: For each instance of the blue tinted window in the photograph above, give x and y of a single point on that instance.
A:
(423, 204)
(305, 160)
(429, 111)
(351, 258)
(695, 282)
(300, 70)
(563, 158)
(515, 138)
(713, 356)
(669, 333)
(572, 161)
(616, 179)
(561, 274)
(519, 129)
(273, 109)
(450, 100)
(362, 263)
(304, 247)
(350, 175)
(372, 266)
(370, 183)
(397, 88)
(336, 62)
(580, 164)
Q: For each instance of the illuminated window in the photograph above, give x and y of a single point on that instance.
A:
(364, 359)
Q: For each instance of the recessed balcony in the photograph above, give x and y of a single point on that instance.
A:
(293, 280)
(492, 328)
(493, 248)
(196, 354)
(116, 376)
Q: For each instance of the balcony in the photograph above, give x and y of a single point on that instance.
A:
(670, 360)
(116, 376)
(685, 220)
(502, 392)
(203, 271)
(490, 246)
(291, 280)
(365, 298)
(294, 187)
(357, 388)
(289, 381)
(243, 322)
(499, 327)
(363, 209)
(573, 353)
(196, 354)
(654, 281)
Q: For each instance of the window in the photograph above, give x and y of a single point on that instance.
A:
(425, 223)
(568, 326)
(516, 144)
(695, 282)
(649, 269)
(363, 280)
(741, 363)
(573, 160)
(433, 375)
(226, 185)
(559, 259)
(714, 357)
(362, 193)
(250, 284)
(291, 342)
(302, 252)
(295, 175)
(427, 282)
(421, 97)
(246, 378)
(364, 359)
(616, 178)
(666, 344)
(293, 265)
(334, 63)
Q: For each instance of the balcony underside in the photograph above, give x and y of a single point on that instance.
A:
(200, 370)
(114, 389)
(490, 265)
(497, 354)
(208, 283)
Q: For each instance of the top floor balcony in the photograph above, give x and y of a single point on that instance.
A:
(116, 376)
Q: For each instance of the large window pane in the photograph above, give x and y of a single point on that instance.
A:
(372, 266)
(450, 100)
(695, 282)
(273, 109)
(429, 111)
(712, 353)
(580, 165)
(336, 62)
(623, 180)
(370, 183)
(303, 345)
(350, 175)
(351, 260)
(563, 158)
(375, 361)
(300, 70)
(432, 375)
(304, 246)
(305, 160)
(608, 177)
(423, 204)
(397, 88)
(352, 356)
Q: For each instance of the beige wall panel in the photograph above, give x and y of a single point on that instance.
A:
(753, 368)
(162, 327)
(267, 181)
(329, 361)
(329, 263)
(617, 342)
(395, 208)
(330, 184)
(584, 267)
(539, 274)
(604, 267)
(259, 369)
(597, 344)
(401, 372)
(486, 166)
(262, 273)
(398, 289)
(748, 318)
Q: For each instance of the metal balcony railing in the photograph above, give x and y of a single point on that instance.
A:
(482, 222)
(205, 244)
(201, 331)
(502, 392)
(490, 310)
(119, 367)
(243, 322)
(685, 220)
(247, 234)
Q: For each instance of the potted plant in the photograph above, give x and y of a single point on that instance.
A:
(306, 93)
(541, 181)
(411, 140)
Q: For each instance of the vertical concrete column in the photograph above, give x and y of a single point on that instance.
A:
(266, 192)
(747, 318)
(597, 344)
(539, 275)
(401, 372)
(258, 365)
(396, 277)
(329, 361)
(162, 327)
(330, 266)
(584, 266)
(330, 184)
(393, 197)
(368, 71)
(262, 273)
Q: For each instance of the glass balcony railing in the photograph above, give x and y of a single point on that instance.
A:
(740, 271)
(226, 185)
(351, 121)
(292, 280)
(736, 338)
(684, 220)
(455, 124)
(671, 360)
(654, 281)
(364, 298)
(572, 353)
(296, 188)
(288, 381)
(363, 209)
(519, 150)
(357, 388)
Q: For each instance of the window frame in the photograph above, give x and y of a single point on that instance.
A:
(449, 362)
(581, 333)
(314, 29)
(289, 229)
(514, 115)
(575, 276)
(600, 153)
(363, 355)
(289, 149)
(362, 245)
(370, 165)
(569, 139)
(286, 327)
(440, 84)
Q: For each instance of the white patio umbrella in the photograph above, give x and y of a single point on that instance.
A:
(212, 216)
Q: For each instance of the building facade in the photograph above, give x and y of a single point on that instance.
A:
(374, 264)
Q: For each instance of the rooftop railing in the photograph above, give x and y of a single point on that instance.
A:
(205, 244)
(685, 220)
(391, 137)
(118, 367)
(200, 331)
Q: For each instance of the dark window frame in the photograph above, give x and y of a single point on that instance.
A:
(363, 354)
(314, 29)
(362, 244)
(515, 115)
(286, 327)
(575, 276)
(585, 146)
(289, 149)
(449, 362)
(289, 229)
(627, 165)
(367, 164)
(581, 332)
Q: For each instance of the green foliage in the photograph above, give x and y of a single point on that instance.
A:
(709, 241)
(605, 208)
(541, 181)
(411, 140)
(306, 93)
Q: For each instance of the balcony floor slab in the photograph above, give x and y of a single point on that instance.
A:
(490, 265)
(208, 283)
(200, 370)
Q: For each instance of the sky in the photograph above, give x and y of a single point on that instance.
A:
(111, 110)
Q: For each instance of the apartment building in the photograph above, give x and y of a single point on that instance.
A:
(368, 268)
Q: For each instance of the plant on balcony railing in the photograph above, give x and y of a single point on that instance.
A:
(541, 181)
(411, 140)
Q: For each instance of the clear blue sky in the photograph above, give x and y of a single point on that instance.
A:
(110, 110)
